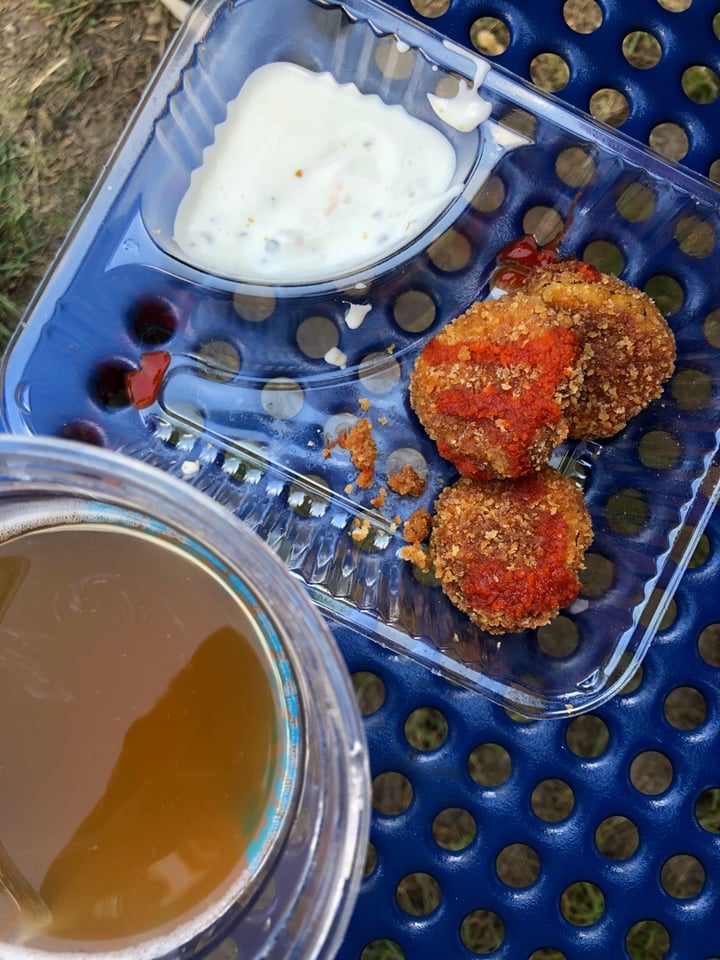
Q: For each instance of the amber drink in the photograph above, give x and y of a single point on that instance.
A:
(151, 726)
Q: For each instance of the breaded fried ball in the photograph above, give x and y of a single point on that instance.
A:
(491, 388)
(507, 552)
(628, 347)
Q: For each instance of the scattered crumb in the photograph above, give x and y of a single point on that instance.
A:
(414, 553)
(360, 530)
(379, 500)
(390, 350)
(364, 404)
(407, 482)
(349, 488)
(190, 467)
(417, 527)
(382, 420)
(335, 357)
(416, 530)
(355, 315)
(363, 450)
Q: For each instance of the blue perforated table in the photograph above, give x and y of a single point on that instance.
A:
(597, 836)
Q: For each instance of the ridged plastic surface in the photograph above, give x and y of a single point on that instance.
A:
(249, 403)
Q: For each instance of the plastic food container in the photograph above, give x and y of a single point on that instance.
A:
(255, 380)
(301, 869)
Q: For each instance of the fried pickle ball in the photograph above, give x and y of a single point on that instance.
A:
(507, 552)
(628, 348)
(491, 388)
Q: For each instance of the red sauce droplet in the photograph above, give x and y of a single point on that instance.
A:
(517, 259)
(143, 385)
(587, 271)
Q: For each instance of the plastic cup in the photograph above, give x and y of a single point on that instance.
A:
(292, 891)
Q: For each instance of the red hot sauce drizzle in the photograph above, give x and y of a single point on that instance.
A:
(518, 590)
(514, 414)
(518, 259)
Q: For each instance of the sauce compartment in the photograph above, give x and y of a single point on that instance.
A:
(256, 380)
(391, 74)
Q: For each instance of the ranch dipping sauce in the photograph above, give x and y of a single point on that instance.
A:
(308, 179)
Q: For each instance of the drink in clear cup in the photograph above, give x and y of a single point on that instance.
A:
(152, 727)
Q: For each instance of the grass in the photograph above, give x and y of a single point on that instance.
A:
(18, 246)
(70, 73)
(72, 16)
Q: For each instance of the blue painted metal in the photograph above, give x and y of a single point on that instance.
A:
(596, 60)
(667, 824)
(601, 786)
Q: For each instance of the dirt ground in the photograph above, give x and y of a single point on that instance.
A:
(71, 72)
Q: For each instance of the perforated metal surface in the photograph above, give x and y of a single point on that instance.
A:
(668, 823)
(613, 52)
(649, 759)
(548, 786)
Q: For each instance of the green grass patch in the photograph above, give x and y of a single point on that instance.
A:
(18, 240)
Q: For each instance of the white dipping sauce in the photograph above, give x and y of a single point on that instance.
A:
(308, 178)
(467, 109)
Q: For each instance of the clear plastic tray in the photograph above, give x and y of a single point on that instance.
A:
(248, 402)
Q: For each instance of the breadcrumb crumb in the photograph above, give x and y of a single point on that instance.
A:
(416, 531)
(407, 482)
(417, 527)
(415, 554)
(360, 530)
(378, 501)
(362, 448)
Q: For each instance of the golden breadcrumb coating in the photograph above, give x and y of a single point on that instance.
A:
(628, 348)
(491, 388)
(507, 552)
